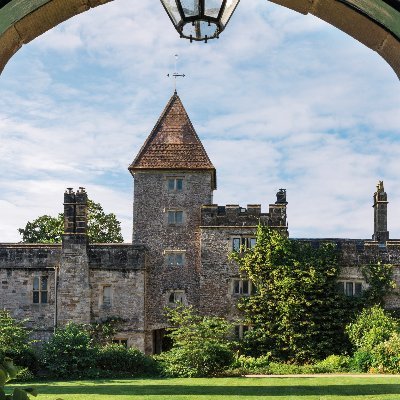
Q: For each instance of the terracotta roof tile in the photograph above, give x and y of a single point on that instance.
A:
(173, 143)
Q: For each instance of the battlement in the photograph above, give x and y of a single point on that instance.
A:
(234, 215)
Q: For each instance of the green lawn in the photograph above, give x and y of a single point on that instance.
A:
(314, 388)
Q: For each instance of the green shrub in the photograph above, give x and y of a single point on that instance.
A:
(13, 334)
(289, 369)
(201, 345)
(24, 375)
(373, 326)
(245, 365)
(117, 358)
(25, 358)
(361, 361)
(333, 364)
(7, 372)
(69, 353)
(386, 356)
(209, 360)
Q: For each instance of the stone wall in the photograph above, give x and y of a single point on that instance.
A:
(152, 201)
(19, 264)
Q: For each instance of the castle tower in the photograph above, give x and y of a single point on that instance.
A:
(173, 178)
(381, 233)
(73, 293)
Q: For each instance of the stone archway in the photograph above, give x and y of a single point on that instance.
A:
(375, 23)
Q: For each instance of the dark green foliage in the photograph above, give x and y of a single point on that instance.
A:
(379, 277)
(44, 229)
(297, 313)
(7, 372)
(372, 327)
(117, 358)
(103, 332)
(15, 342)
(25, 358)
(201, 345)
(102, 227)
(69, 352)
(361, 361)
(13, 334)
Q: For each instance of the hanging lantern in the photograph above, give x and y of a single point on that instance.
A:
(200, 19)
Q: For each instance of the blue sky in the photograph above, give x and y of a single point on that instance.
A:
(280, 100)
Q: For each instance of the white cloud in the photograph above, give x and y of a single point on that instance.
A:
(280, 100)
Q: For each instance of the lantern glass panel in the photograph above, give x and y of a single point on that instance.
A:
(212, 7)
(229, 9)
(200, 29)
(191, 8)
(173, 10)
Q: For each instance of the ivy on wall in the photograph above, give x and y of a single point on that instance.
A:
(297, 314)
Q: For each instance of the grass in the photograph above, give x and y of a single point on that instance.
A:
(302, 388)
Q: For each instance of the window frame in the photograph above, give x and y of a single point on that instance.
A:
(357, 287)
(174, 221)
(177, 184)
(243, 243)
(175, 255)
(238, 285)
(240, 330)
(103, 296)
(40, 291)
(179, 297)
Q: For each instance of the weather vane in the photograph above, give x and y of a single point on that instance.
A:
(175, 75)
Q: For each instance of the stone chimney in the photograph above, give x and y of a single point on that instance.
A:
(73, 289)
(381, 233)
(75, 219)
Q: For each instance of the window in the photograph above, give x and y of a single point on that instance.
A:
(243, 287)
(240, 330)
(242, 243)
(107, 296)
(175, 184)
(350, 288)
(175, 217)
(176, 297)
(40, 284)
(121, 342)
(175, 259)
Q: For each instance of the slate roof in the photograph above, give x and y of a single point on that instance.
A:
(173, 143)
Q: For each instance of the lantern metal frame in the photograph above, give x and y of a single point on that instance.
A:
(200, 17)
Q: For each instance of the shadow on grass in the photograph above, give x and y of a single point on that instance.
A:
(214, 390)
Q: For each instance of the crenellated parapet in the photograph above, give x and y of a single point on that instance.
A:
(252, 215)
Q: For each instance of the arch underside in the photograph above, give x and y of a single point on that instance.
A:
(375, 23)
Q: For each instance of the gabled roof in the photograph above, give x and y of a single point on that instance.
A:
(173, 143)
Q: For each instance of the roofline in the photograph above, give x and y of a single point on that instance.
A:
(153, 131)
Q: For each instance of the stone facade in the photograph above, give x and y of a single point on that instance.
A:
(179, 252)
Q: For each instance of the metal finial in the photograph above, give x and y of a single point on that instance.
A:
(175, 74)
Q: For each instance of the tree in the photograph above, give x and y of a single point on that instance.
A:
(201, 345)
(102, 227)
(297, 313)
(372, 327)
(13, 334)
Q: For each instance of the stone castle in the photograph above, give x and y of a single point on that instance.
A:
(179, 253)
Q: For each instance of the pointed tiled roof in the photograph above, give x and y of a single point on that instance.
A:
(173, 143)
